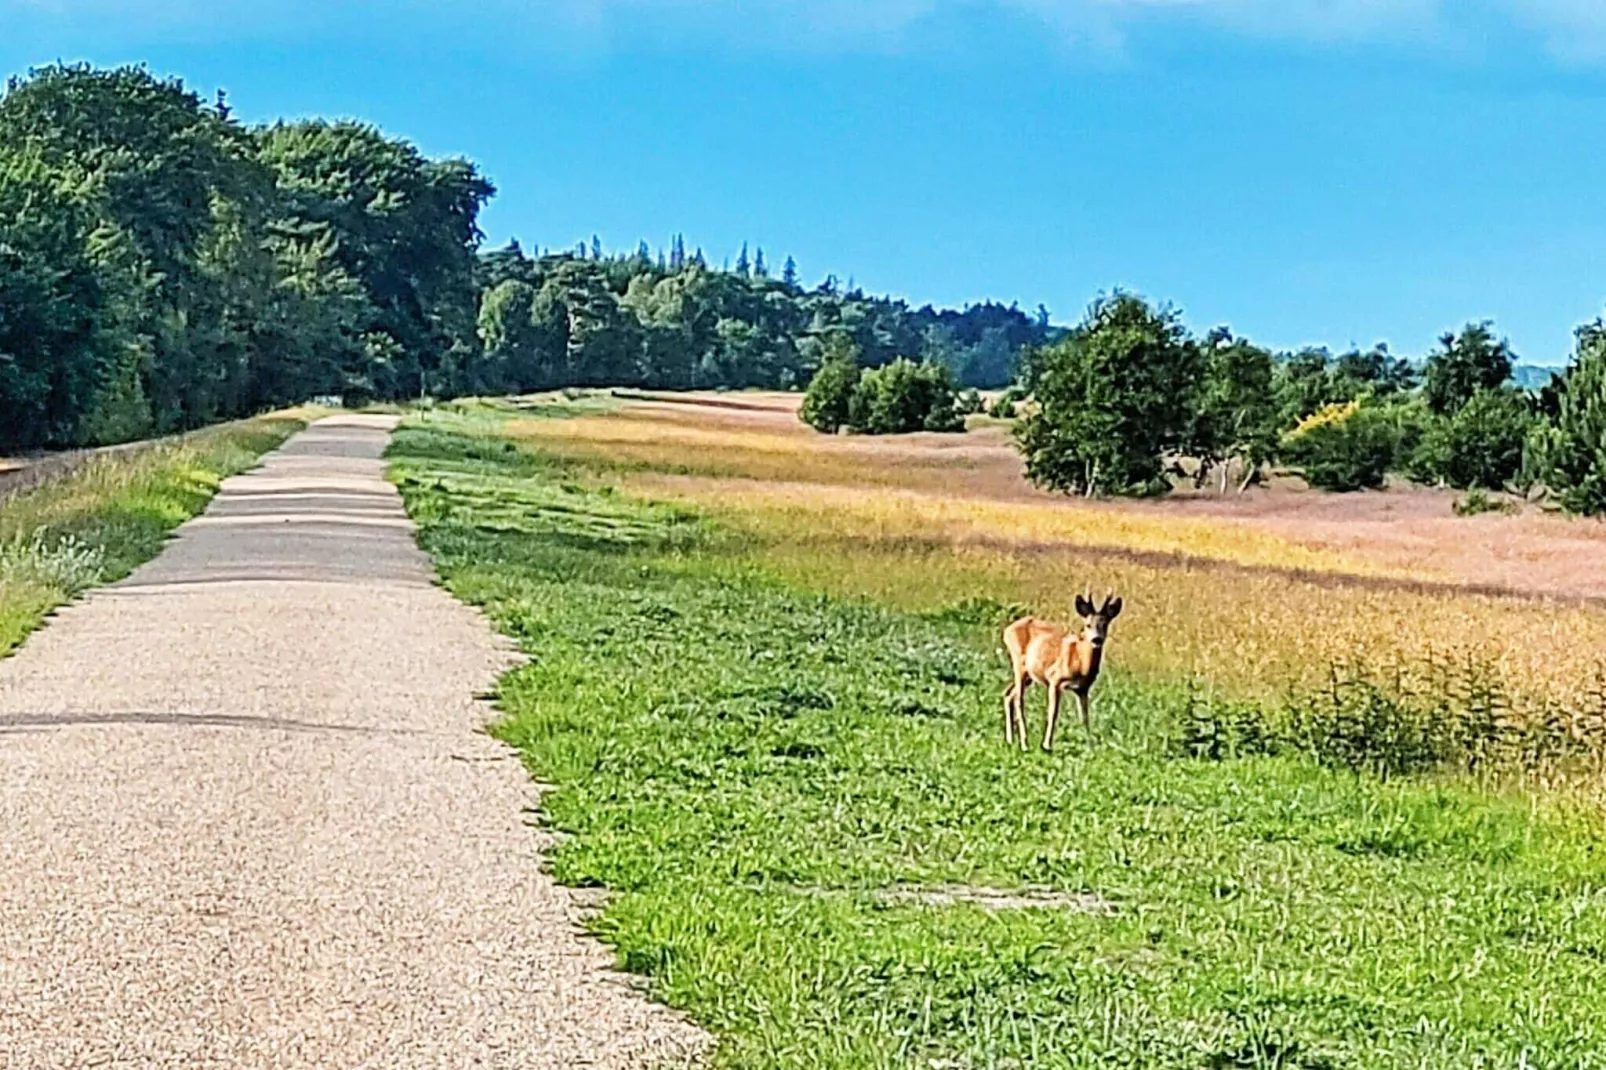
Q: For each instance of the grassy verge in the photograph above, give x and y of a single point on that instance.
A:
(803, 806)
(97, 523)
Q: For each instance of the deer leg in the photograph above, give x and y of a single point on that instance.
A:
(1054, 693)
(1021, 688)
(1082, 704)
(1009, 712)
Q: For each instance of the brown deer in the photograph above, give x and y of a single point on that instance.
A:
(1057, 658)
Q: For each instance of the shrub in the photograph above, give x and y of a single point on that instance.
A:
(1480, 445)
(903, 397)
(970, 402)
(1346, 447)
(1477, 501)
(827, 404)
(65, 564)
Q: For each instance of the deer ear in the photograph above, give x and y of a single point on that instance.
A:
(1084, 608)
(1112, 609)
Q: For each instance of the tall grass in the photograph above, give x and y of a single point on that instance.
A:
(1245, 615)
(97, 522)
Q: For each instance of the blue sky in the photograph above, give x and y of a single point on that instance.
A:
(1307, 171)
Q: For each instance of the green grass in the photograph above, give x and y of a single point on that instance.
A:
(755, 770)
(96, 524)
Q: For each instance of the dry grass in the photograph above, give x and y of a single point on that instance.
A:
(921, 522)
(99, 520)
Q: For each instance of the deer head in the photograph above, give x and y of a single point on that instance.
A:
(1096, 622)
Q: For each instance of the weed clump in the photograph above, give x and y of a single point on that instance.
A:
(63, 563)
(1437, 714)
(1478, 501)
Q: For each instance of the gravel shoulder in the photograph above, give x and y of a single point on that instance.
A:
(250, 820)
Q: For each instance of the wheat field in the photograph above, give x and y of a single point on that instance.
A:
(925, 521)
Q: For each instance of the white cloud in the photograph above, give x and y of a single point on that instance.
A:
(1573, 29)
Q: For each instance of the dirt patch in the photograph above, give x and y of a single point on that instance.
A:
(944, 895)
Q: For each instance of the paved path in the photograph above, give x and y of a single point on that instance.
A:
(246, 819)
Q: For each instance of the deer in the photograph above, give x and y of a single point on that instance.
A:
(1059, 659)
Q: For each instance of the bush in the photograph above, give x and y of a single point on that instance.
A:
(903, 397)
(1477, 501)
(827, 404)
(1347, 447)
(970, 402)
(1481, 445)
(899, 398)
(1004, 405)
(64, 564)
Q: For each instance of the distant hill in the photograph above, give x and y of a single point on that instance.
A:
(1532, 376)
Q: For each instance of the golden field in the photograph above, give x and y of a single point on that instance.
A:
(1256, 596)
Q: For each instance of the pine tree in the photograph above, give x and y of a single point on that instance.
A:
(596, 247)
(1573, 446)
(743, 267)
(677, 253)
(760, 269)
(789, 272)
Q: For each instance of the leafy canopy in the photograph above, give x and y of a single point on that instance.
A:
(1112, 398)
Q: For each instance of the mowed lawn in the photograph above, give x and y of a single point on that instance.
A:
(817, 844)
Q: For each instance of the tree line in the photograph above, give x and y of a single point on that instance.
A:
(163, 265)
(1129, 400)
(672, 321)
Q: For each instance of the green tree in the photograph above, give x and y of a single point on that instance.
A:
(405, 227)
(1463, 365)
(1481, 444)
(903, 397)
(1572, 443)
(1235, 414)
(57, 353)
(828, 402)
(180, 198)
(525, 343)
(1375, 372)
(1112, 399)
